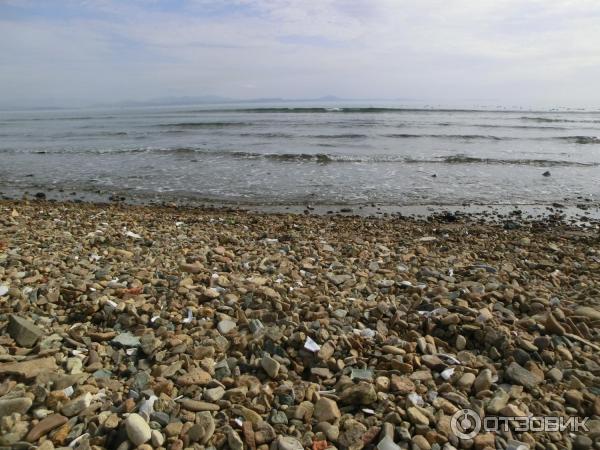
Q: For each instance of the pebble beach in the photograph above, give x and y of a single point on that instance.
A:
(145, 327)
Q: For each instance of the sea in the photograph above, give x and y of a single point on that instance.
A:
(284, 154)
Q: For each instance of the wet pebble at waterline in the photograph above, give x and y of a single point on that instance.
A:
(180, 328)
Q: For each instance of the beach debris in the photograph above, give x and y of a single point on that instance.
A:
(311, 345)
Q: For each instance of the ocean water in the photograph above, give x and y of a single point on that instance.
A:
(295, 155)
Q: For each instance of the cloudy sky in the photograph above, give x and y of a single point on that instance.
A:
(509, 52)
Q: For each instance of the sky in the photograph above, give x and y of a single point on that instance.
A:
(504, 52)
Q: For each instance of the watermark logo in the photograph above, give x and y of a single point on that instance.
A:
(466, 424)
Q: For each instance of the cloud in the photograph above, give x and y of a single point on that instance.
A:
(508, 50)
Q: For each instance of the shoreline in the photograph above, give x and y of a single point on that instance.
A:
(584, 212)
(178, 327)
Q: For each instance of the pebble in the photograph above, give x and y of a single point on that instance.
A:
(288, 443)
(326, 410)
(362, 393)
(138, 430)
(23, 331)
(522, 376)
(270, 365)
(45, 426)
(226, 326)
(11, 406)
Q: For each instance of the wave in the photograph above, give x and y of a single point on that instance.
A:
(339, 136)
(518, 127)
(44, 119)
(268, 135)
(340, 110)
(447, 136)
(204, 124)
(581, 139)
(463, 159)
(558, 120)
(330, 158)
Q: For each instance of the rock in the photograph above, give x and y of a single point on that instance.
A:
(586, 311)
(270, 365)
(204, 427)
(233, 439)
(11, 406)
(197, 405)
(352, 434)
(484, 441)
(483, 381)
(498, 402)
(326, 410)
(191, 268)
(402, 385)
(23, 331)
(433, 362)
(157, 438)
(326, 351)
(288, 443)
(226, 326)
(554, 374)
(521, 376)
(416, 416)
(552, 325)
(28, 369)
(461, 342)
(582, 442)
(465, 381)
(573, 397)
(45, 426)
(127, 340)
(75, 406)
(195, 376)
(362, 393)
(419, 442)
(214, 394)
(138, 430)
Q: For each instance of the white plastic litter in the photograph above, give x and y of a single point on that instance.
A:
(110, 305)
(75, 441)
(447, 374)
(68, 391)
(368, 411)
(387, 443)
(189, 317)
(3, 289)
(147, 406)
(449, 359)
(131, 234)
(311, 345)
